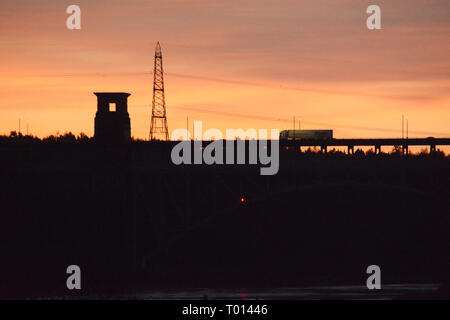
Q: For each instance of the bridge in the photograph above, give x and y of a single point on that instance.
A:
(376, 143)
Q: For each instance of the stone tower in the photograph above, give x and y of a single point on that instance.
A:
(112, 122)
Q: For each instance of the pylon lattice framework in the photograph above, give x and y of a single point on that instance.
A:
(158, 126)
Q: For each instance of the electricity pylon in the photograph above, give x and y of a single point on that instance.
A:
(158, 126)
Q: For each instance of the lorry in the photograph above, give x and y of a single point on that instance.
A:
(306, 134)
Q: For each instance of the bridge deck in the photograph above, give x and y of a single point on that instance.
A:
(369, 142)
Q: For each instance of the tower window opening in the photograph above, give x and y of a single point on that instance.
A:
(112, 107)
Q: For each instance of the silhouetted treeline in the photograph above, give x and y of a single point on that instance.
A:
(69, 138)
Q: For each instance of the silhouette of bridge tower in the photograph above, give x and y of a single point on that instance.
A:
(158, 126)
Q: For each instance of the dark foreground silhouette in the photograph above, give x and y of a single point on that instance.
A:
(134, 222)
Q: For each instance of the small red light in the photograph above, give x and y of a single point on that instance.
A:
(242, 200)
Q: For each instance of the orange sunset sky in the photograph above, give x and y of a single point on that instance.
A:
(231, 63)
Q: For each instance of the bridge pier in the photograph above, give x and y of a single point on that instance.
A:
(404, 149)
(401, 145)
